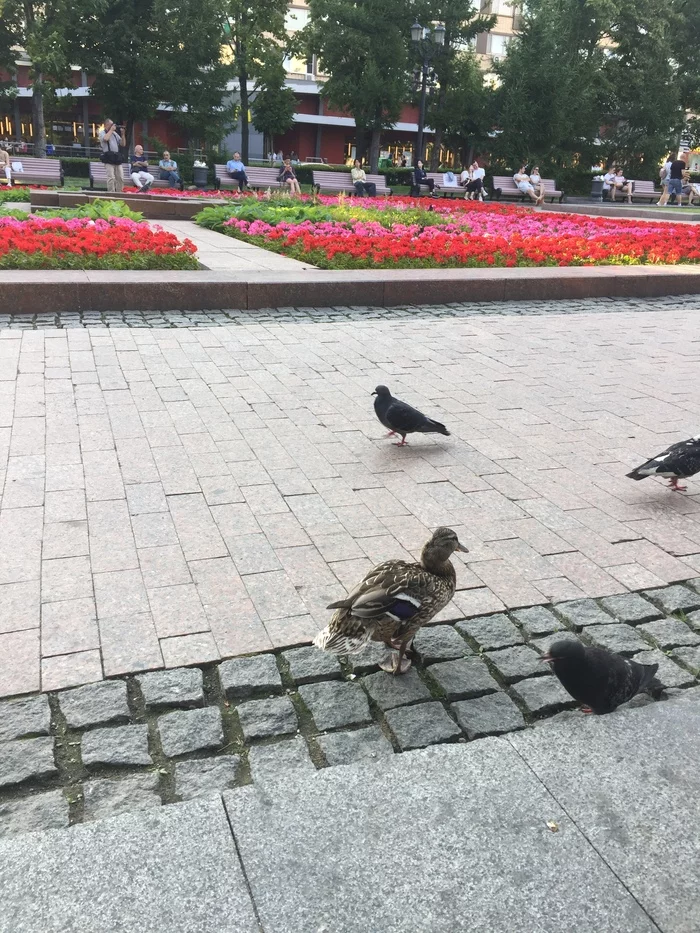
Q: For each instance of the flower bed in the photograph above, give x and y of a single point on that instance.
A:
(81, 243)
(350, 233)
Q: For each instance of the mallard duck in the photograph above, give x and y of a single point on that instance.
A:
(393, 601)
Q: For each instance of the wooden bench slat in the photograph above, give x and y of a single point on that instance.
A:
(342, 181)
(37, 171)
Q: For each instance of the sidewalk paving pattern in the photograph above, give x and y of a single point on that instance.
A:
(577, 825)
(174, 495)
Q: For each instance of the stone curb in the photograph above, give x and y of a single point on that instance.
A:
(99, 291)
(128, 743)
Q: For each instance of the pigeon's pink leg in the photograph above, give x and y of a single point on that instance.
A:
(390, 434)
(586, 709)
(673, 484)
(403, 442)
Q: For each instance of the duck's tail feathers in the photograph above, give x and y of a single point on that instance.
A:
(337, 642)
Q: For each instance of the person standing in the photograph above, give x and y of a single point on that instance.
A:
(111, 137)
(363, 187)
(140, 175)
(168, 170)
(675, 182)
(236, 170)
(5, 167)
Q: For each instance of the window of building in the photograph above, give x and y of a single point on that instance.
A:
(497, 44)
(497, 7)
(296, 18)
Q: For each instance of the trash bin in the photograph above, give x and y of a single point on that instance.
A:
(597, 190)
(199, 177)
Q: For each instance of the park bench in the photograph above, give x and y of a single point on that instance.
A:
(342, 181)
(505, 187)
(257, 178)
(98, 176)
(37, 171)
(644, 191)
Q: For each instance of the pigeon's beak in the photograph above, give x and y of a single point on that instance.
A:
(374, 393)
(462, 548)
(546, 659)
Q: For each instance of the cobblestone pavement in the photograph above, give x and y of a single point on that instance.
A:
(164, 736)
(177, 494)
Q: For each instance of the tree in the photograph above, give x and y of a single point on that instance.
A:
(274, 105)
(41, 29)
(255, 32)
(462, 24)
(463, 115)
(150, 52)
(643, 114)
(362, 46)
(550, 99)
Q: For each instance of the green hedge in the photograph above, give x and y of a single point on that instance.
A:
(76, 168)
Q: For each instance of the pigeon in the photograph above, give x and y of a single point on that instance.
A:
(401, 418)
(596, 677)
(677, 461)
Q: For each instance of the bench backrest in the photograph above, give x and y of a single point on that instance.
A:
(643, 187)
(333, 179)
(98, 170)
(505, 183)
(48, 168)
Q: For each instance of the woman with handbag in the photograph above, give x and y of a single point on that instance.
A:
(111, 138)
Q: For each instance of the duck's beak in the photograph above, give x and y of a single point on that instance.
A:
(462, 548)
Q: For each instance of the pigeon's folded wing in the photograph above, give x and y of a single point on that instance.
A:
(404, 418)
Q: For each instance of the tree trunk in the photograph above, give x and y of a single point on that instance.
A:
(245, 128)
(437, 138)
(38, 116)
(374, 144)
(360, 143)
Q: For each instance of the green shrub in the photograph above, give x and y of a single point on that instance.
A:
(76, 168)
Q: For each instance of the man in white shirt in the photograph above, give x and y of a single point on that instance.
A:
(608, 180)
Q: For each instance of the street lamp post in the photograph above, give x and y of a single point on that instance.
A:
(428, 43)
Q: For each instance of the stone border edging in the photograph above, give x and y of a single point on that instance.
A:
(33, 291)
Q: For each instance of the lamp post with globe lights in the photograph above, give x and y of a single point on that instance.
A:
(428, 43)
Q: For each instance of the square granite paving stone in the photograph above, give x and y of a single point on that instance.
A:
(26, 760)
(389, 690)
(25, 717)
(333, 704)
(31, 814)
(670, 633)
(496, 631)
(543, 695)
(244, 677)
(274, 762)
(464, 678)
(309, 665)
(262, 719)
(440, 643)
(188, 731)
(486, 862)
(544, 644)
(674, 598)
(418, 726)
(632, 608)
(116, 746)
(489, 715)
(95, 704)
(206, 777)
(623, 639)
(669, 673)
(342, 748)
(580, 613)
(182, 687)
(368, 660)
(641, 817)
(173, 869)
(688, 657)
(516, 663)
(536, 621)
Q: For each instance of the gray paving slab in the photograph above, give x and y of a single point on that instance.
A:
(631, 783)
(173, 869)
(464, 847)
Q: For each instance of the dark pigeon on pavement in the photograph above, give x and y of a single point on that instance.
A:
(676, 462)
(401, 418)
(596, 677)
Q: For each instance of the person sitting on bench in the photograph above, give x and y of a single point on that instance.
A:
(363, 187)
(236, 170)
(168, 170)
(140, 175)
(420, 177)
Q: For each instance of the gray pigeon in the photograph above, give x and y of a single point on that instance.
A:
(596, 677)
(676, 462)
(401, 418)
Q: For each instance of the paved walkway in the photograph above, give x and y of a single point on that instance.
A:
(177, 495)
(222, 253)
(585, 825)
